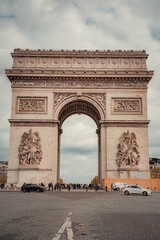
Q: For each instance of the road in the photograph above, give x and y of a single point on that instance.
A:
(79, 216)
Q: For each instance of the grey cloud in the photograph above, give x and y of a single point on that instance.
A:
(78, 168)
(155, 33)
(81, 151)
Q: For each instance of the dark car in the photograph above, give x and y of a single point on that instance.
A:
(1, 185)
(28, 187)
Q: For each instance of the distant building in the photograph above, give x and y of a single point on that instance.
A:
(154, 163)
(3, 168)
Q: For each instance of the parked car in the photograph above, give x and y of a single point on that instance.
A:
(116, 186)
(28, 187)
(2, 185)
(136, 189)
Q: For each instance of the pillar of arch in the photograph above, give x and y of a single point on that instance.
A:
(49, 86)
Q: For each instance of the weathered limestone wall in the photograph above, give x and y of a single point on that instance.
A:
(47, 169)
(113, 135)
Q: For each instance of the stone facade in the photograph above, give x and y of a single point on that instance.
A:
(48, 86)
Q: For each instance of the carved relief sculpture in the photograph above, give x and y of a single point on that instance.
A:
(28, 105)
(82, 83)
(127, 153)
(58, 97)
(30, 149)
(99, 97)
(127, 106)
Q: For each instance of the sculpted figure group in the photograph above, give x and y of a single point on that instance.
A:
(127, 153)
(30, 152)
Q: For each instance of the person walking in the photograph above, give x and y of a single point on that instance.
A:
(51, 184)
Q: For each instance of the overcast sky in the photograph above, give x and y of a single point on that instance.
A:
(83, 24)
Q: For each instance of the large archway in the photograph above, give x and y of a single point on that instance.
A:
(49, 86)
(78, 149)
(79, 106)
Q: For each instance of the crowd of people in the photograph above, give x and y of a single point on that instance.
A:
(74, 186)
(57, 187)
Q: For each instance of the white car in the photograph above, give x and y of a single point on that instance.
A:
(136, 189)
(116, 186)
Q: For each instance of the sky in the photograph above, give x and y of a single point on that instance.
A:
(81, 24)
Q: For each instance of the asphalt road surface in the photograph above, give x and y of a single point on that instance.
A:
(79, 216)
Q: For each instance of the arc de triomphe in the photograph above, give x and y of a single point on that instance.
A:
(48, 86)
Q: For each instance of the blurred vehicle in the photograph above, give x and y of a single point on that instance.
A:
(2, 185)
(136, 189)
(28, 187)
(116, 186)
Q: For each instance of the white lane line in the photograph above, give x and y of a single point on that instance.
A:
(69, 233)
(57, 237)
(68, 226)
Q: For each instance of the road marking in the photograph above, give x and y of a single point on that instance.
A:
(68, 226)
(69, 233)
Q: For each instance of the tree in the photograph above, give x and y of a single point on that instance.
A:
(61, 181)
(155, 172)
(95, 181)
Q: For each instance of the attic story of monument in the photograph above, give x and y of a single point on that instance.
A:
(48, 86)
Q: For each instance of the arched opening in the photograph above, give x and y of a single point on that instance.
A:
(79, 106)
(79, 150)
(74, 116)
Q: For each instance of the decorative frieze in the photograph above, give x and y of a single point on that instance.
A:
(79, 63)
(31, 104)
(30, 149)
(83, 59)
(126, 106)
(78, 83)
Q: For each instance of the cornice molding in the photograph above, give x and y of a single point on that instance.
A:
(77, 73)
(53, 121)
(33, 122)
(84, 52)
(125, 123)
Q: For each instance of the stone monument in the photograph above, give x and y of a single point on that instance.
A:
(50, 85)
